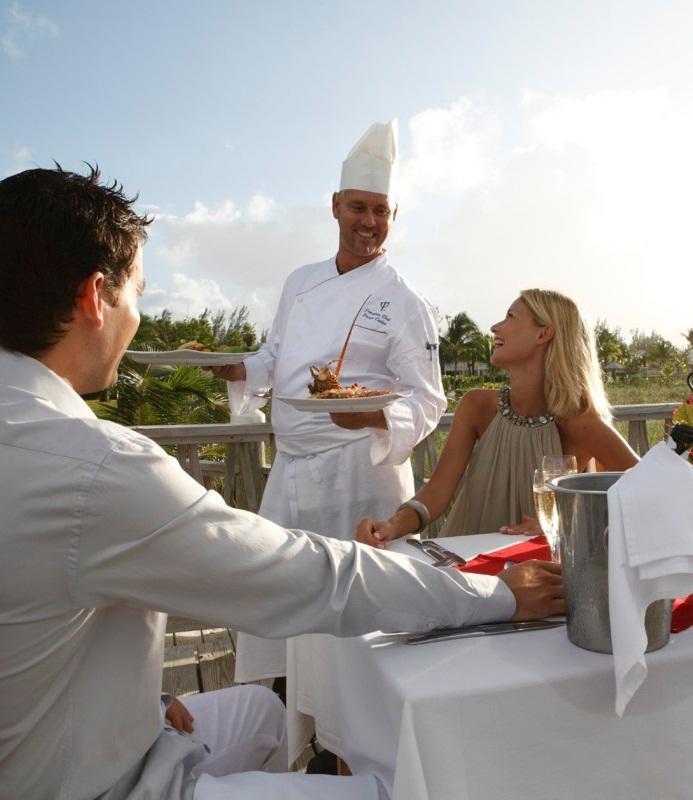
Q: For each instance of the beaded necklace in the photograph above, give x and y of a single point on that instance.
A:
(515, 418)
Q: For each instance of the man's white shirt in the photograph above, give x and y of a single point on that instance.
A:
(100, 532)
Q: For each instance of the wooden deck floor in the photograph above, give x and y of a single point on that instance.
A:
(197, 658)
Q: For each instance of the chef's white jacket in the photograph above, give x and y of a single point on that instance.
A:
(100, 532)
(326, 478)
(394, 346)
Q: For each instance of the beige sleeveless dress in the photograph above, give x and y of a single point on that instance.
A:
(497, 486)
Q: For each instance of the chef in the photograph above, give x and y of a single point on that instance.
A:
(330, 470)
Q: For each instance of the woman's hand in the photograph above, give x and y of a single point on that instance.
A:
(178, 716)
(528, 527)
(375, 532)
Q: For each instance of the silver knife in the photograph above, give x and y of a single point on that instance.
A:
(487, 629)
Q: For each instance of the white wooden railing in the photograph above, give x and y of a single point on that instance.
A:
(247, 450)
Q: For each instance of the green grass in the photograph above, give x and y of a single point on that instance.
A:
(646, 391)
(623, 394)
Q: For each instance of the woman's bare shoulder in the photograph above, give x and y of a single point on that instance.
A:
(582, 422)
(478, 400)
(476, 409)
(590, 436)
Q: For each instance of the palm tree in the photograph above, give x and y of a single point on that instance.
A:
(486, 347)
(165, 395)
(610, 345)
(689, 338)
(660, 352)
(462, 342)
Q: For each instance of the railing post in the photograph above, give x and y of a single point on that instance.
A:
(230, 474)
(419, 464)
(637, 436)
(248, 474)
(189, 459)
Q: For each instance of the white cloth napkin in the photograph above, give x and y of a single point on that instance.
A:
(245, 407)
(650, 555)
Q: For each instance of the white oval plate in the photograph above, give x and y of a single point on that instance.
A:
(176, 358)
(316, 404)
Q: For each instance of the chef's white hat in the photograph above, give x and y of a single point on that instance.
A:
(371, 164)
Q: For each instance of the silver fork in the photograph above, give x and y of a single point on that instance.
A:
(438, 558)
(433, 550)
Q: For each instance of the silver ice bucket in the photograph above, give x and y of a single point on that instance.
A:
(583, 525)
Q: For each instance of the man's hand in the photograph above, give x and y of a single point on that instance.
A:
(178, 716)
(528, 527)
(375, 532)
(538, 589)
(356, 420)
(229, 372)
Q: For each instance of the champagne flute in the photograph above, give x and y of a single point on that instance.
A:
(545, 500)
(559, 465)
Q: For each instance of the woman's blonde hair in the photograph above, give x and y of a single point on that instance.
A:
(572, 378)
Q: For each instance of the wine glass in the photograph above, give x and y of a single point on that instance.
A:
(545, 500)
(559, 465)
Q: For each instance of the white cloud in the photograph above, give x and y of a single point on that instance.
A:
(22, 27)
(595, 203)
(529, 97)
(245, 254)
(189, 297)
(22, 158)
(639, 145)
(185, 296)
(29, 22)
(261, 207)
(588, 195)
(446, 151)
(9, 46)
(224, 213)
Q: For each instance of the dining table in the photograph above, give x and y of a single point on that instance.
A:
(527, 716)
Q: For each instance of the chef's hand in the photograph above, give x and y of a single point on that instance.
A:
(229, 372)
(375, 532)
(538, 589)
(178, 716)
(356, 420)
(529, 527)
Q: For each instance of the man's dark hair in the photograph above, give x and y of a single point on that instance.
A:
(56, 229)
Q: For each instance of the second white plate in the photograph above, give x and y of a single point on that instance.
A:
(176, 358)
(317, 404)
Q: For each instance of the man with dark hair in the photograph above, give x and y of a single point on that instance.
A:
(71, 226)
(101, 531)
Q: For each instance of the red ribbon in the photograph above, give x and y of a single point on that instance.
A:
(493, 563)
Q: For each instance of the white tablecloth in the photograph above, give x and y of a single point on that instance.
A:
(518, 716)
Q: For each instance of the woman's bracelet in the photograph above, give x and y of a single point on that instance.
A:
(421, 512)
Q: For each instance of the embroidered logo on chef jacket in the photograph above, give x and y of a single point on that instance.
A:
(376, 316)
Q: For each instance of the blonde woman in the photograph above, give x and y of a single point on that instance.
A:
(555, 404)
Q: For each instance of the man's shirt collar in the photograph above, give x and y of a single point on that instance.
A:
(26, 374)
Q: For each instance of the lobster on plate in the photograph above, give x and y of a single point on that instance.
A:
(325, 383)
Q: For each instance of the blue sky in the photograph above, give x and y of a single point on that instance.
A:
(542, 143)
